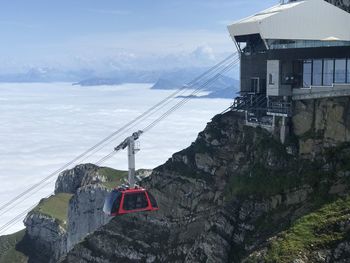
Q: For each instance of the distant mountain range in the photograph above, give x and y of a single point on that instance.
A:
(222, 87)
(120, 77)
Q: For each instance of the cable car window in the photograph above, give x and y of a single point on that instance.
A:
(112, 202)
(153, 200)
(135, 201)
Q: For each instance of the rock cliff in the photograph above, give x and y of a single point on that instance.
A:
(47, 238)
(75, 210)
(85, 213)
(238, 195)
(321, 124)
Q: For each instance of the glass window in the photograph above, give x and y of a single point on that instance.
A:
(153, 200)
(317, 72)
(307, 70)
(254, 85)
(112, 202)
(348, 77)
(340, 71)
(328, 68)
(135, 201)
(270, 79)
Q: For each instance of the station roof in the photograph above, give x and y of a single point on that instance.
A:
(297, 20)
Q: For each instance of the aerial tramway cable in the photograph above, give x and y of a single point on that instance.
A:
(112, 135)
(128, 125)
(174, 108)
(169, 98)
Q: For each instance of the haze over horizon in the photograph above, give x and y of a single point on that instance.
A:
(97, 37)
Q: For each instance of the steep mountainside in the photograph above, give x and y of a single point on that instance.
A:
(235, 195)
(238, 195)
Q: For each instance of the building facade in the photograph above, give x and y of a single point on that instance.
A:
(296, 50)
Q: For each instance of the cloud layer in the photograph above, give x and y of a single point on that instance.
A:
(46, 125)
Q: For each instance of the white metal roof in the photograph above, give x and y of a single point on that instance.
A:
(301, 20)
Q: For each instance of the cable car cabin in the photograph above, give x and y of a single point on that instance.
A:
(124, 201)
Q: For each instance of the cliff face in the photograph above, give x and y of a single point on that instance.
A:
(85, 213)
(47, 238)
(62, 220)
(235, 195)
(75, 210)
(71, 180)
(321, 124)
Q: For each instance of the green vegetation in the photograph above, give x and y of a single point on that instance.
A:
(260, 182)
(56, 206)
(8, 252)
(114, 177)
(264, 182)
(315, 230)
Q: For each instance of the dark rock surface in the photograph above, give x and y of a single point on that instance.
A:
(343, 4)
(221, 200)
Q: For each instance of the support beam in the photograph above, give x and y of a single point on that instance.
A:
(131, 162)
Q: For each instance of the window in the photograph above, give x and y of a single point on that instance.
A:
(254, 82)
(348, 69)
(153, 200)
(340, 71)
(270, 79)
(317, 72)
(307, 70)
(112, 202)
(135, 201)
(328, 69)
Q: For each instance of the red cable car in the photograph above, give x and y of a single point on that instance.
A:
(131, 199)
(125, 200)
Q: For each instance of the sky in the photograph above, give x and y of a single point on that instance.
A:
(113, 34)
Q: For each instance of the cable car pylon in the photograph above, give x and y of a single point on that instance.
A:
(130, 143)
(129, 198)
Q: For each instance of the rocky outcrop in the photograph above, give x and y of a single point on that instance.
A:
(85, 213)
(84, 174)
(79, 198)
(47, 238)
(321, 124)
(51, 238)
(219, 198)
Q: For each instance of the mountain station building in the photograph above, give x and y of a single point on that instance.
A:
(298, 50)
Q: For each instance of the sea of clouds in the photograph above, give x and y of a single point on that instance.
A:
(45, 125)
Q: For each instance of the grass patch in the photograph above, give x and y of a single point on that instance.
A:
(56, 206)
(113, 177)
(8, 252)
(318, 229)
